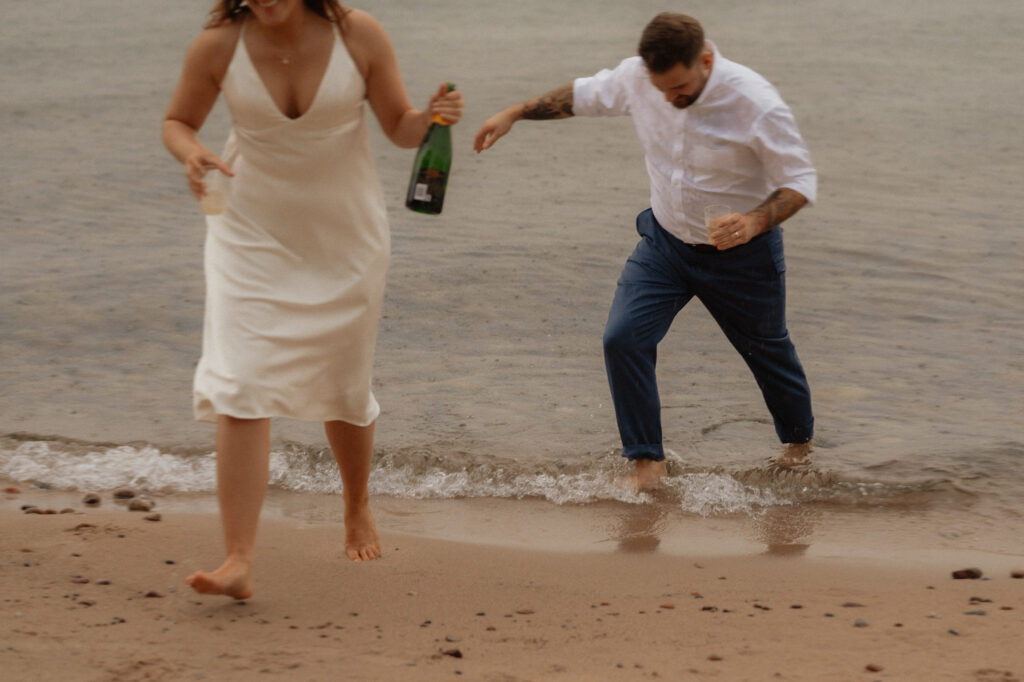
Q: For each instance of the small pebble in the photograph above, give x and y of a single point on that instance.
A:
(852, 605)
(1017, 574)
(454, 653)
(67, 510)
(124, 493)
(860, 623)
(452, 638)
(11, 490)
(33, 510)
(975, 612)
(871, 667)
(953, 632)
(525, 612)
(967, 574)
(153, 594)
(153, 517)
(91, 500)
(169, 562)
(714, 657)
(141, 504)
(667, 606)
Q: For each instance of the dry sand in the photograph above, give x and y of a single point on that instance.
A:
(97, 594)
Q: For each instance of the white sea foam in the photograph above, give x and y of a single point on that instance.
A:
(77, 466)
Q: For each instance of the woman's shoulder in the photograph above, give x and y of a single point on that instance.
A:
(217, 43)
(361, 28)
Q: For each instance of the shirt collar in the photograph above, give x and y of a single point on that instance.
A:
(717, 67)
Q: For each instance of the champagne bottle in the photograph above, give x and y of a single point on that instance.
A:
(430, 169)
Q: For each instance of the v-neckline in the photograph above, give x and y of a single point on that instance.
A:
(266, 90)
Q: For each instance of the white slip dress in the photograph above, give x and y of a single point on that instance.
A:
(295, 266)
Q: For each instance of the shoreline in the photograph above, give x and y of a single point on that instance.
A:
(726, 607)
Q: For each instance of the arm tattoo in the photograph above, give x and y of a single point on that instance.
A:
(550, 105)
(780, 205)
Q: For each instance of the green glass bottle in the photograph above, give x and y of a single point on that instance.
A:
(430, 169)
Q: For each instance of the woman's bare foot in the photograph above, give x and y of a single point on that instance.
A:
(233, 579)
(361, 540)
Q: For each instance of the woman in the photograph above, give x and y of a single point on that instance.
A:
(295, 265)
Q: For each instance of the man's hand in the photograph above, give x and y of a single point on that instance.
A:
(495, 127)
(733, 229)
(739, 228)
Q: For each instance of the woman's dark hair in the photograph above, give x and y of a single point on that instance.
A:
(671, 39)
(227, 11)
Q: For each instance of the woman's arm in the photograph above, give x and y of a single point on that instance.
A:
(205, 64)
(385, 91)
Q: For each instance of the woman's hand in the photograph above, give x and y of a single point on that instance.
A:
(447, 105)
(196, 167)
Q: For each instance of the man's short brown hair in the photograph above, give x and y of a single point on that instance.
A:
(671, 39)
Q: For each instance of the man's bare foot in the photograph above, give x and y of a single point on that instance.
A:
(649, 474)
(361, 540)
(233, 579)
(795, 454)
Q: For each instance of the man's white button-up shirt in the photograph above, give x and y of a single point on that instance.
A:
(735, 145)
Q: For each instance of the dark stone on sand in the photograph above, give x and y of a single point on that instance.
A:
(525, 612)
(953, 632)
(11, 490)
(124, 493)
(872, 668)
(102, 582)
(26, 507)
(91, 500)
(852, 605)
(169, 562)
(980, 600)
(975, 612)
(967, 574)
(79, 580)
(714, 657)
(67, 510)
(153, 594)
(152, 517)
(42, 485)
(33, 510)
(1017, 574)
(141, 504)
(860, 623)
(796, 606)
(667, 606)
(712, 609)
(454, 653)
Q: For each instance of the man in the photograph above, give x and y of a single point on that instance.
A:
(714, 132)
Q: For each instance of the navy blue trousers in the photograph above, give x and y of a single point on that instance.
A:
(744, 289)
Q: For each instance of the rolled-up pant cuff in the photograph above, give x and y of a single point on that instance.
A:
(651, 452)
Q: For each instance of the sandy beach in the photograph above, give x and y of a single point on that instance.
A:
(504, 538)
(103, 587)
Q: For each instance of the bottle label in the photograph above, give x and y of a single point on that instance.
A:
(420, 193)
